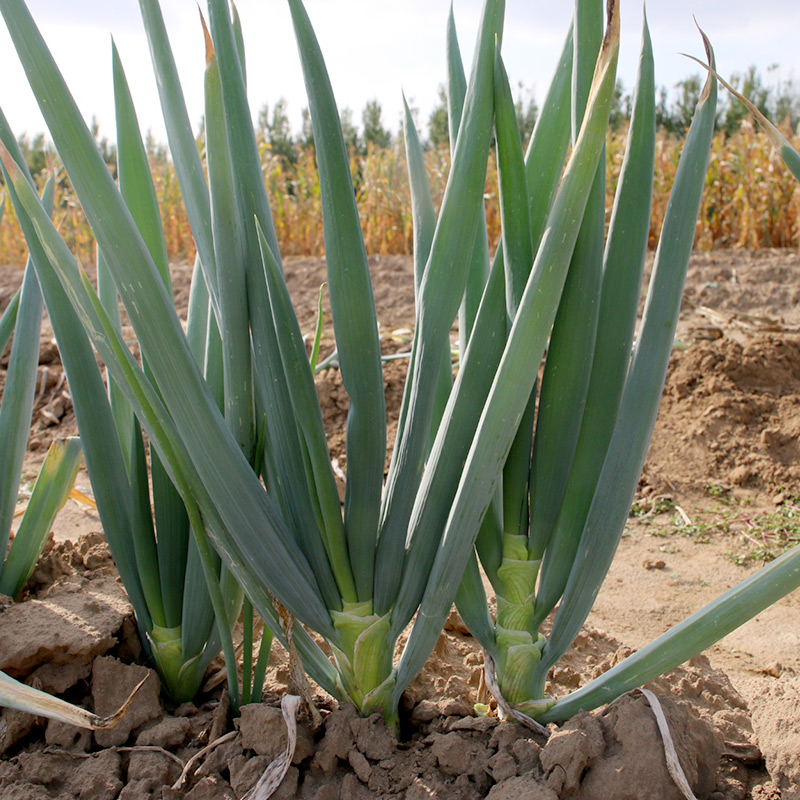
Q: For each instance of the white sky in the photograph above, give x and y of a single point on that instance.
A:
(375, 48)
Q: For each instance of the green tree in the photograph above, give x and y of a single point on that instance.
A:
(306, 139)
(349, 130)
(156, 151)
(262, 123)
(620, 107)
(785, 103)
(684, 105)
(279, 134)
(663, 118)
(34, 152)
(438, 125)
(374, 132)
(751, 85)
(527, 112)
(108, 150)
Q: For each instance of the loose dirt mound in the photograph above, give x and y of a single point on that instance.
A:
(730, 416)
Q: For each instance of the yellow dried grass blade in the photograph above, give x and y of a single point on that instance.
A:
(14, 694)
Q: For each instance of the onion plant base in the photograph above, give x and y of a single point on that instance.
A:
(364, 660)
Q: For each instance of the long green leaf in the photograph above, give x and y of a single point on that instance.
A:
(456, 81)
(197, 315)
(50, 492)
(143, 533)
(514, 211)
(478, 268)
(543, 165)
(687, 638)
(120, 407)
(353, 310)
(162, 558)
(286, 475)
(619, 303)
(517, 259)
(251, 203)
(232, 286)
(18, 394)
(8, 320)
(472, 606)
(549, 143)
(424, 222)
(183, 148)
(422, 210)
(251, 192)
(449, 454)
(567, 370)
(300, 380)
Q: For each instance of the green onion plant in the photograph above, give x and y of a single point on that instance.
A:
(144, 519)
(571, 473)
(230, 407)
(23, 319)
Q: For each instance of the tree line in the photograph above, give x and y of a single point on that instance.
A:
(780, 102)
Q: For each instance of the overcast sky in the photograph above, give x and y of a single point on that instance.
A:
(376, 48)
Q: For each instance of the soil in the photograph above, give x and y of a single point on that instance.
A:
(719, 493)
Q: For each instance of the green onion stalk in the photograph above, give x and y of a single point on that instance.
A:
(148, 529)
(571, 473)
(22, 319)
(231, 408)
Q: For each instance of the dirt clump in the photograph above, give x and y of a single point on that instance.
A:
(70, 623)
(618, 752)
(112, 683)
(776, 712)
(730, 416)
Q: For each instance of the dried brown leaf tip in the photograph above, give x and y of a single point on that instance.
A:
(207, 34)
(612, 29)
(710, 56)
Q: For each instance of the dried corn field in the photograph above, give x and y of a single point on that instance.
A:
(751, 201)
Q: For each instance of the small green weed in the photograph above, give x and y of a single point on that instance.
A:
(651, 507)
(759, 536)
(770, 533)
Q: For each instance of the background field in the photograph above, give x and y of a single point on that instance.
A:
(751, 200)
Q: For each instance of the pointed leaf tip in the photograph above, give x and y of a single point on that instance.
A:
(710, 56)
(207, 34)
(777, 139)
